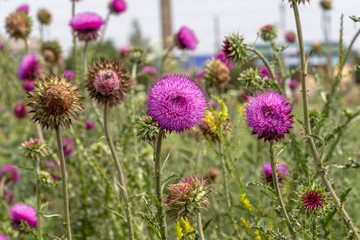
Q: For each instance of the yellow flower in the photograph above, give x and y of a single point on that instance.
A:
(257, 233)
(246, 202)
(246, 222)
(188, 227)
(179, 232)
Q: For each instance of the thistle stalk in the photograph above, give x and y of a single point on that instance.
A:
(85, 57)
(132, 110)
(105, 26)
(277, 189)
(200, 227)
(74, 41)
(38, 197)
(120, 173)
(64, 182)
(340, 207)
(160, 198)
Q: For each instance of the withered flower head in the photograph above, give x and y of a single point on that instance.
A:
(18, 25)
(107, 81)
(216, 73)
(55, 102)
(44, 16)
(51, 51)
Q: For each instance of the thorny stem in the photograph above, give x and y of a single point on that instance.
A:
(277, 189)
(38, 197)
(280, 65)
(119, 171)
(64, 182)
(132, 110)
(160, 199)
(340, 207)
(199, 223)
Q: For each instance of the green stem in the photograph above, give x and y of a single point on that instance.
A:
(160, 198)
(40, 133)
(119, 171)
(85, 57)
(277, 189)
(2, 185)
(200, 227)
(340, 207)
(74, 42)
(132, 111)
(279, 65)
(27, 46)
(41, 33)
(38, 197)
(64, 182)
(163, 59)
(105, 26)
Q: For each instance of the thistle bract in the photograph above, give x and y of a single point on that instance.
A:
(51, 51)
(234, 48)
(34, 148)
(44, 16)
(216, 73)
(268, 33)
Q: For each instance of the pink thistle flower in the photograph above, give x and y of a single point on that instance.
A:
(28, 85)
(31, 143)
(86, 25)
(29, 68)
(185, 39)
(264, 72)
(290, 37)
(222, 57)
(124, 51)
(23, 8)
(89, 125)
(293, 84)
(3, 237)
(9, 197)
(313, 199)
(118, 6)
(176, 102)
(268, 114)
(68, 147)
(199, 76)
(9, 173)
(149, 70)
(69, 74)
(1, 46)
(20, 110)
(266, 173)
(23, 212)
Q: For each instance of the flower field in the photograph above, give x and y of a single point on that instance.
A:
(100, 143)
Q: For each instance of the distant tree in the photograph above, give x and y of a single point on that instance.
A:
(136, 38)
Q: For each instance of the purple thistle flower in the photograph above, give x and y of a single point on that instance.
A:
(1, 46)
(52, 167)
(222, 57)
(124, 50)
(313, 199)
(23, 212)
(290, 37)
(176, 102)
(293, 84)
(20, 110)
(264, 72)
(268, 114)
(3, 237)
(89, 125)
(23, 8)
(29, 68)
(185, 39)
(9, 197)
(28, 85)
(68, 147)
(199, 76)
(86, 25)
(150, 70)
(266, 173)
(10, 173)
(69, 74)
(118, 6)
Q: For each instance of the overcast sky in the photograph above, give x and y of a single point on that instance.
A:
(243, 16)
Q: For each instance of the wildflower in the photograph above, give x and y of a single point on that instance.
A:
(212, 174)
(1, 46)
(51, 51)
(178, 230)
(266, 173)
(326, 4)
(222, 57)
(187, 197)
(185, 39)
(28, 85)
(199, 76)
(117, 6)
(246, 222)
(235, 49)
(124, 51)
(9, 174)
(89, 125)
(23, 212)
(136, 55)
(293, 84)
(246, 202)
(290, 37)
(176, 102)
(55, 101)
(34, 148)
(268, 114)
(18, 25)
(3, 237)
(44, 16)
(264, 72)
(9, 197)
(86, 25)
(20, 111)
(69, 74)
(313, 199)
(30, 68)
(268, 33)
(149, 70)
(107, 81)
(68, 147)
(23, 8)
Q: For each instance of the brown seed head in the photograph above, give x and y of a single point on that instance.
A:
(18, 25)
(57, 100)
(222, 74)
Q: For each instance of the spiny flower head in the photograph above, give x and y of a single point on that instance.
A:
(10, 173)
(266, 173)
(222, 57)
(268, 114)
(44, 16)
(55, 102)
(187, 197)
(293, 84)
(89, 125)
(176, 102)
(268, 33)
(23, 8)
(147, 128)
(117, 6)
(107, 81)
(216, 73)
(3, 237)
(30, 68)
(124, 51)
(20, 110)
(185, 39)
(314, 199)
(290, 37)
(23, 212)
(18, 25)
(86, 25)
(51, 51)
(34, 148)
(234, 48)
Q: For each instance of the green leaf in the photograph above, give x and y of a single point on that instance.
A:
(206, 225)
(151, 222)
(355, 19)
(344, 195)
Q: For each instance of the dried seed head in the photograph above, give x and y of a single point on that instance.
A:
(44, 16)
(326, 4)
(18, 25)
(51, 51)
(216, 73)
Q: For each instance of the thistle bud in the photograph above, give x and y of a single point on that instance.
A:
(212, 174)
(235, 48)
(326, 4)
(51, 51)
(290, 37)
(147, 128)
(44, 16)
(34, 148)
(18, 25)
(46, 178)
(10, 174)
(268, 33)
(20, 110)
(314, 199)
(136, 56)
(216, 73)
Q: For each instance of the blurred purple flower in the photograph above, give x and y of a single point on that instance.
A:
(222, 57)
(176, 102)
(20, 110)
(3, 237)
(266, 173)
(199, 76)
(29, 68)
(290, 37)
(86, 25)
(89, 125)
(23, 8)
(293, 84)
(264, 72)
(52, 168)
(268, 114)
(150, 70)
(68, 147)
(1, 46)
(23, 212)
(9, 173)
(118, 6)
(28, 85)
(185, 39)
(124, 50)
(69, 74)
(9, 197)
